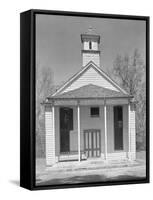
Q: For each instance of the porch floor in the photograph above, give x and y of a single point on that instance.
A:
(91, 164)
(94, 168)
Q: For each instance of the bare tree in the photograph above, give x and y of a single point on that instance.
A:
(44, 87)
(129, 72)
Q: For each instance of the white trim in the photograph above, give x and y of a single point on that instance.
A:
(79, 132)
(53, 112)
(71, 79)
(105, 75)
(129, 132)
(105, 122)
(50, 135)
(81, 71)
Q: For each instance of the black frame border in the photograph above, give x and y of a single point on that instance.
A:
(27, 98)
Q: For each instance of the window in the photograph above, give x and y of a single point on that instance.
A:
(94, 111)
(90, 45)
(118, 128)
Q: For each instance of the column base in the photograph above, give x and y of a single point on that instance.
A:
(51, 162)
(132, 156)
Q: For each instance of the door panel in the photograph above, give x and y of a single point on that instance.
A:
(66, 124)
(118, 128)
(92, 143)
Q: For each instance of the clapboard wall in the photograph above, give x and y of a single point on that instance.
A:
(132, 134)
(91, 76)
(50, 135)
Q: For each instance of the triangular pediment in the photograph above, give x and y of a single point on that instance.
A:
(90, 74)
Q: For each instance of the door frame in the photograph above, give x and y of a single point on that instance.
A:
(60, 108)
(114, 126)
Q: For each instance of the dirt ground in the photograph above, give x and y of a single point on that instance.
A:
(91, 171)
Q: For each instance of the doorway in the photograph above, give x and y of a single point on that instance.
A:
(66, 124)
(118, 128)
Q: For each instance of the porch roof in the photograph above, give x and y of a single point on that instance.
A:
(90, 91)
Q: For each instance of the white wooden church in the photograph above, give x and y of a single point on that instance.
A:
(90, 116)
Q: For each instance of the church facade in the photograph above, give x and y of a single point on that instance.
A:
(90, 116)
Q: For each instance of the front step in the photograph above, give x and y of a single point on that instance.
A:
(88, 165)
(71, 157)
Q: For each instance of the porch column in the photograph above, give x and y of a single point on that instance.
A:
(129, 131)
(53, 110)
(79, 131)
(50, 134)
(105, 123)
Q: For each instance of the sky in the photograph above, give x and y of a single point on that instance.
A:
(58, 41)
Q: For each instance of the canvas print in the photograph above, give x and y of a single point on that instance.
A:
(90, 99)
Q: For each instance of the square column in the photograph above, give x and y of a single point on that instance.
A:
(132, 131)
(129, 133)
(79, 132)
(50, 134)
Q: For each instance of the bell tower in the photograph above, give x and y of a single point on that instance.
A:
(90, 48)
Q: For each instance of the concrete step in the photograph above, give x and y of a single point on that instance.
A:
(91, 166)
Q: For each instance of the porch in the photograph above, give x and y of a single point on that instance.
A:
(88, 137)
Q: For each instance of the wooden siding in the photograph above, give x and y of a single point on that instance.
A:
(57, 132)
(125, 128)
(70, 81)
(91, 76)
(132, 135)
(117, 156)
(50, 137)
(65, 102)
(94, 57)
(92, 102)
(117, 101)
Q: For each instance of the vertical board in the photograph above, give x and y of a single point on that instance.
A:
(50, 137)
(92, 143)
(89, 77)
(132, 135)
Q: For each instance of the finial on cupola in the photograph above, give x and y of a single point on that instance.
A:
(90, 29)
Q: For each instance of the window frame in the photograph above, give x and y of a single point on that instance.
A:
(97, 115)
(90, 45)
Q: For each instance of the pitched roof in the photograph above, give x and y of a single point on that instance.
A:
(83, 70)
(90, 91)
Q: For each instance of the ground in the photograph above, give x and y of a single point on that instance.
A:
(91, 171)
